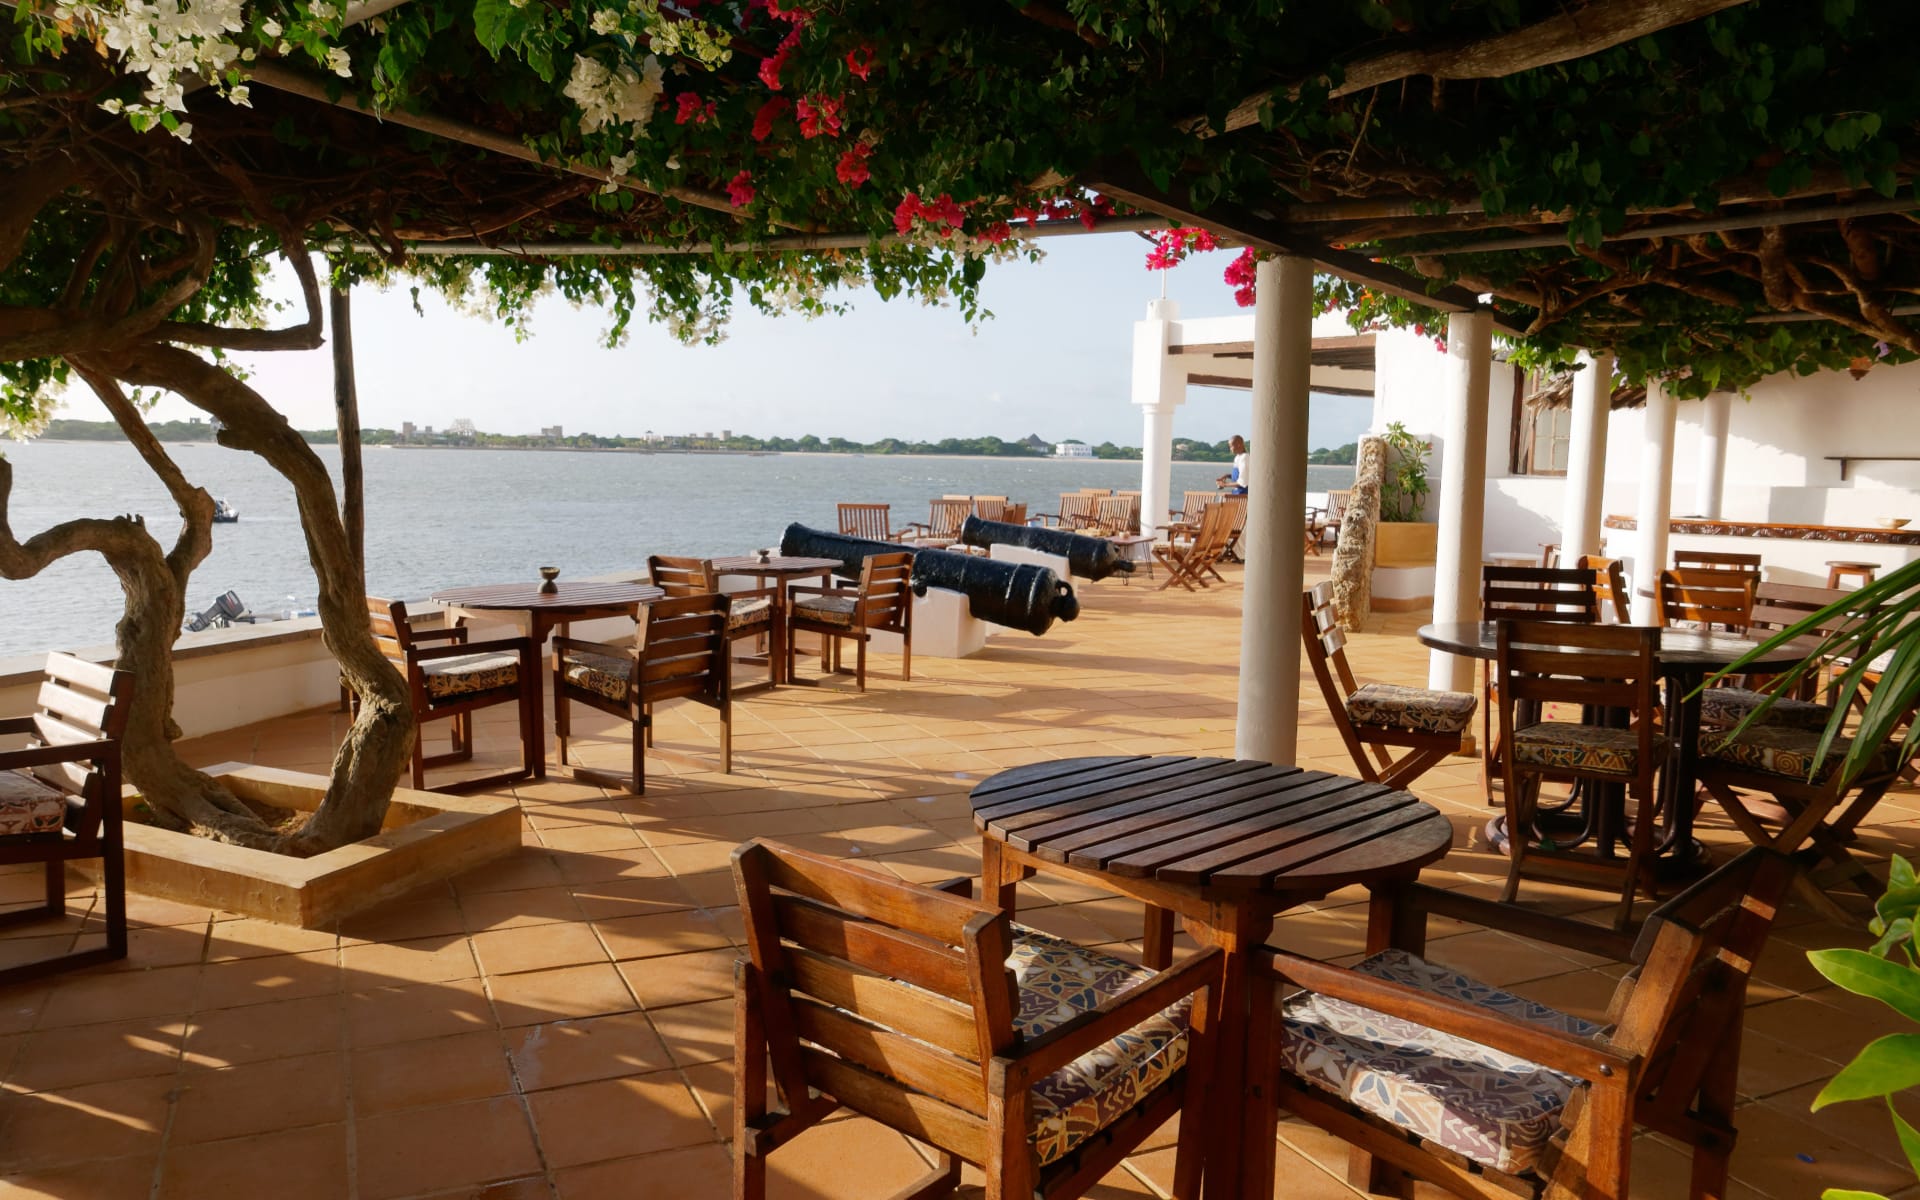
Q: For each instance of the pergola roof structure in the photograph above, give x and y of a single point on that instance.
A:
(1342, 364)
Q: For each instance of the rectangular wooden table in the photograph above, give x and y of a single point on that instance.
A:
(1226, 845)
(783, 570)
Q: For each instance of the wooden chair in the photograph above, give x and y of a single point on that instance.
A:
(1609, 587)
(1432, 1076)
(869, 521)
(1133, 519)
(942, 526)
(1718, 560)
(449, 678)
(750, 612)
(60, 799)
(682, 656)
(1189, 562)
(1078, 510)
(990, 508)
(932, 1013)
(1428, 724)
(1594, 667)
(1113, 517)
(881, 601)
(1531, 593)
(1706, 597)
(1014, 514)
(1236, 526)
(1193, 506)
(1337, 501)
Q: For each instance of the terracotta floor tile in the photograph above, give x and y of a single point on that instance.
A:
(99, 1179)
(260, 980)
(697, 1033)
(535, 997)
(436, 1071)
(561, 1053)
(91, 999)
(417, 960)
(607, 899)
(294, 1164)
(537, 947)
(116, 1119)
(817, 1163)
(423, 1150)
(652, 935)
(279, 1093)
(226, 1037)
(616, 1118)
(512, 910)
(422, 1010)
(692, 1173)
(430, 912)
(56, 1059)
(681, 978)
(251, 939)
(530, 868)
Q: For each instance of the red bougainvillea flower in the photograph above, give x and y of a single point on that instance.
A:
(773, 64)
(904, 215)
(852, 167)
(1239, 275)
(860, 60)
(943, 211)
(692, 109)
(1026, 212)
(740, 189)
(818, 115)
(768, 114)
(1172, 246)
(791, 12)
(996, 233)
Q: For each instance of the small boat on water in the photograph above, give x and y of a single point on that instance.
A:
(224, 513)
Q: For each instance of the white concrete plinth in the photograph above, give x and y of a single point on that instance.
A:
(943, 627)
(1402, 589)
(1057, 563)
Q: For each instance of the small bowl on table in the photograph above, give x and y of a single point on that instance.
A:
(1892, 522)
(547, 577)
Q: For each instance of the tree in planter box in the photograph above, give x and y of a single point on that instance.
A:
(1403, 494)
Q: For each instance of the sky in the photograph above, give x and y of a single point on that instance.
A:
(1053, 360)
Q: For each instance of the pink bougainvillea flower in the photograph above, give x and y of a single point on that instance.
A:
(860, 60)
(904, 215)
(740, 189)
(773, 64)
(818, 115)
(768, 114)
(1027, 213)
(946, 211)
(852, 167)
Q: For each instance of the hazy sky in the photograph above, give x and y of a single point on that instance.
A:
(1053, 360)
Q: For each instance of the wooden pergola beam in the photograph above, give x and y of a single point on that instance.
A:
(1777, 218)
(1124, 182)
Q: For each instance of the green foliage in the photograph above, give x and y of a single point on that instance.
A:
(1337, 456)
(1889, 973)
(1403, 494)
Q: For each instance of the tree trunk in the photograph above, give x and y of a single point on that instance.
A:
(380, 742)
(346, 420)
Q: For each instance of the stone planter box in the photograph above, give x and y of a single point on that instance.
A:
(427, 836)
(1405, 543)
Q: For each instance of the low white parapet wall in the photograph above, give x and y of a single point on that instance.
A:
(943, 627)
(1057, 563)
(1402, 589)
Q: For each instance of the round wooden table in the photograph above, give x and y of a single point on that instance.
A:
(783, 570)
(1226, 845)
(1687, 657)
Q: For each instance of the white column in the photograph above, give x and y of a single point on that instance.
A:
(1581, 515)
(1268, 722)
(1463, 488)
(1714, 420)
(1655, 509)
(1159, 387)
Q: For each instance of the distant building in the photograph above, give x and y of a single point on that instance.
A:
(726, 435)
(1072, 450)
(407, 431)
(552, 432)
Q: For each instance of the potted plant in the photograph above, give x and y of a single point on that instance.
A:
(1403, 538)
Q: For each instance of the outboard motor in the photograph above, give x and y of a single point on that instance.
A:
(1090, 557)
(1017, 595)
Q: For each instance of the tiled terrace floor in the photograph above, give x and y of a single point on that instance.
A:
(556, 1024)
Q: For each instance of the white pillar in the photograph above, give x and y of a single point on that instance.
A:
(1714, 420)
(1655, 510)
(1159, 387)
(1463, 488)
(1267, 727)
(1581, 514)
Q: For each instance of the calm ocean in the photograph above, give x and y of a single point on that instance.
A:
(442, 518)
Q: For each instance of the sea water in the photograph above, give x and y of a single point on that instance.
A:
(440, 518)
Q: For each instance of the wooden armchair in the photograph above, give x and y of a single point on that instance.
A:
(991, 508)
(683, 657)
(1432, 1076)
(1719, 560)
(750, 612)
(869, 521)
(1427, 724)
(1532, 593)
(60, 799)
(1595, 668)
(1609, 587)
(449, 678)
(1337, 501)
(1706, 597)
(1078, 510)
(1040, 1062)
(942, 526)
(1113, 517)
(1190, 562)
(1236, 526)
(880, 601)
(1186, 518)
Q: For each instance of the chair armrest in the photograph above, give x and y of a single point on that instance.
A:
(959, 885)
(40, 756)
(10, 725)
(1042, 1056)
(457, 633)
(1522, 922)
(817, 590)
(462, 649)
(563, 644)
(1044, 519)
(1587, 1058)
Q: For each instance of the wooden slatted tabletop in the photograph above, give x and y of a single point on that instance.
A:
(1210, 822)
(528, 596)
(778, 564)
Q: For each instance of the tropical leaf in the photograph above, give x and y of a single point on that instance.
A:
(1866, 974)
(1884, 1066)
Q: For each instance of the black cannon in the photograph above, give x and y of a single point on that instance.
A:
(1017, 595)
(1089, 557)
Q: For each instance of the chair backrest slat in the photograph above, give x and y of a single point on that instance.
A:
(1014, 514)
(867, 520)
(1538, 594)
(80, 702)
(944, 517)
(1609, 586)
(1079, 508)
(884, 598)
(1718, 560)
(1194, 504)
(936, 1019)
(1707, 596)
(907, 957)
(885, 1053)
(1115, 513)
(685, 648)
(682, 576)
(990, 508)
(1613, 666)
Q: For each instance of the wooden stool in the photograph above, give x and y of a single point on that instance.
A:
(1838, 569)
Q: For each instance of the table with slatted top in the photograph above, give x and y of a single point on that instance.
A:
(1226, 845)
(783, 569)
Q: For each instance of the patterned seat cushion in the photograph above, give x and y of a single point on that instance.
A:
(1569, 745)
(1418, 709)
(1057, 981)
(1492, 1107)
(1785, 750)
(28, 806)
(827, 610)
(602, 674)
(744, 614)
(1728, 706)
(470, 673)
